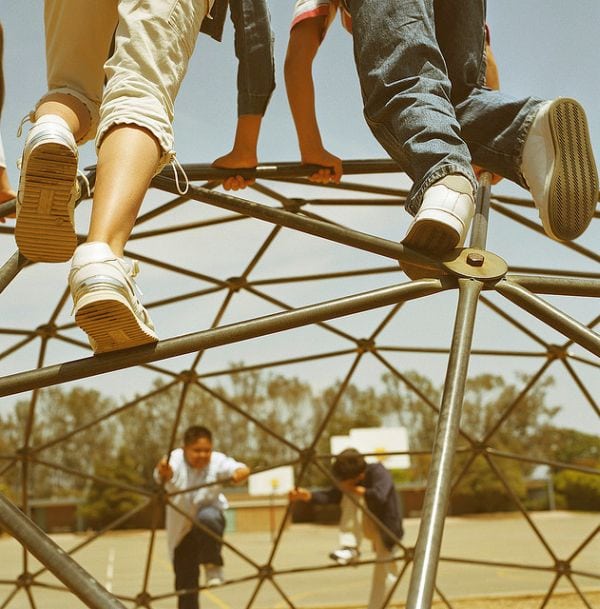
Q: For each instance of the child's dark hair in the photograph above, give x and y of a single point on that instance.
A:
(195, 432)
(348, 464)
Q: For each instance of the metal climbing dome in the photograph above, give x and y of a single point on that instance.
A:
(511, 298)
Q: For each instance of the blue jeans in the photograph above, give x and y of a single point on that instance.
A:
(197, 548)
(421, 65)
(253, 49)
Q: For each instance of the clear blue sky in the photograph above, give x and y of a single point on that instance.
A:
(544, 48)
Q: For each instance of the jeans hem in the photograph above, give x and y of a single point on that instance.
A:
(415, 198)
(520, 145)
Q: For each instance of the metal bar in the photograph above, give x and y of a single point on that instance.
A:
(440, 351)
(584, 360)
(178, 228)
(500, 475)
(190, 343)
(271, 364)
(578, 591)
(550, 315)
(79, 581)
(320, 276)
(538, 229)
(326, 230)
(510, 319)
(435, 503)
(521, 270)
(586, 394)
(482, 211)
(388, 202)
(11, 269)
(201, 171)
(558, 464)
(247, 415)
(583, 544)
(109, 527)
(510, 408)
(104, 417)
(416, 391)
(287, 307)
(558, 286)
(311, 449)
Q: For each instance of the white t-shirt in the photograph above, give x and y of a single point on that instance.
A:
(307, 9)
(220, 467)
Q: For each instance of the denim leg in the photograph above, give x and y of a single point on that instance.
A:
(493, 125)
(209, 549)
(254, 50)
(186, 565)
(406, 91)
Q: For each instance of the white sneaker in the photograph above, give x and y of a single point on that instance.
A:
(559, 168)
(106, 306)
(213, 575)
(345, 556)
(48, 189)
(443, 220)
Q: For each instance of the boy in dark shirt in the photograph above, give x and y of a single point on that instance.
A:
(372, 485)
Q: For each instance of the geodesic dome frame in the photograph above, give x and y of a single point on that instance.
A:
(471, 272)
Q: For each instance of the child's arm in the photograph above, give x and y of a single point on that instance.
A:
(305, 39)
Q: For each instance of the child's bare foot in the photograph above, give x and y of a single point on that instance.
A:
(236, 160)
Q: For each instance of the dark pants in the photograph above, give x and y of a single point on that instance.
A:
(197, 548)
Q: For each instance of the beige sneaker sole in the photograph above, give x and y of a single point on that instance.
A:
(573, 190)
(431, 237)
(109, 322)
(44, 231)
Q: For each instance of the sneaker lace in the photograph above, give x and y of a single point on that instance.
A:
(28, 118)
(133, 271)
(176, 165)
(84, 179)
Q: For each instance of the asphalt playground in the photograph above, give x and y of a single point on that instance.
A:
(118, 560)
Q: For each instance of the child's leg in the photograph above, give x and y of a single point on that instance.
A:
(255, 82)
(210, 548)
(153, 44)
(187, 570)
(351, 530)
(78, 37)
(384, 573)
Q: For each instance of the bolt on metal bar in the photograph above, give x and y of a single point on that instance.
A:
(190, 343)
(435, 503)
(55, 558)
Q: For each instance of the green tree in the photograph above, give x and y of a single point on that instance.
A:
(106, 502)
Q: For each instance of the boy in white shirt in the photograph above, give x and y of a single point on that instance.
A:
(197, 467)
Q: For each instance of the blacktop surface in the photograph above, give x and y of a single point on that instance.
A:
(519, 576)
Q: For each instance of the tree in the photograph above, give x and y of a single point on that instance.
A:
(57, 413)
(105, 502)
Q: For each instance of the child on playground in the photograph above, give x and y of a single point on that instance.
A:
(126, 104)
(371, 486)
(197, 466)
(255, 79)
(426, 101)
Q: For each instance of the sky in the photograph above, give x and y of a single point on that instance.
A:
(544, 48)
